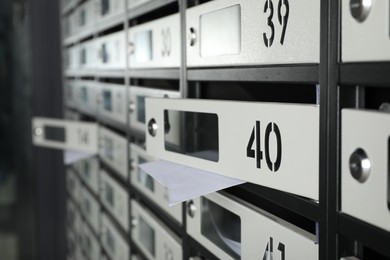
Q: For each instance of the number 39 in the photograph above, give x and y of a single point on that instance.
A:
(282, 18)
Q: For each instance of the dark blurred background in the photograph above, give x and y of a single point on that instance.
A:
(31, 209)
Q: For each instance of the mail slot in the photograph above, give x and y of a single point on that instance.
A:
(113, 243)
(89, 243)
(137, 120)
(113, 151)
(365, 155)
(225, 226)
(73, 185)
(365, 31)
(90, 208)
(111, 51)
(155, 44)
(253, 32)
(148, 186)
(270, 144)
(115, 198)
(86, 94)
(154, 239)
(89, 173)
(112, 103)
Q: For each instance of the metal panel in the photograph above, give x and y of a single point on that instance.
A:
(70, 93)
(365, 31)
(132, 4)
(148, 186)
(111, 51)
(365, 157)
(89, 243)
(154, 239)
(115, 198)
(107, 9)
(89, 173)
(112, 102)
(245, 129)
(73, 57)
(270, 238)
(113, 150)
(252, 32)
(155, 44)
(85, 15)
(73, 185)
(90, 208)
(64, 134)
(137, 97)
(73, 216)
(88, 55)
(113, 243)
(86, 96)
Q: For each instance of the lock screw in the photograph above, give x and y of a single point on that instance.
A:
(359, 165)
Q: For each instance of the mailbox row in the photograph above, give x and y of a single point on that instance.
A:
(234, 33)
(226, 226)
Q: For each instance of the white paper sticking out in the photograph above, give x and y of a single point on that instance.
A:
(184, 183)
(72, 156)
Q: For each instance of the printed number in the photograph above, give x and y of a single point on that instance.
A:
(258, 153)
(166, 42)
(282, 18)
(268, 253)
(82, 136)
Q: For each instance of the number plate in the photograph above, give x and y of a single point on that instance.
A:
(365, 31)
(113, 151)
(137, 97)
(225, 227)
(90, 209)
(64, 134)
(89, 243)
(255, 142)
(148, 186)
(112, 103)
(111, 51)
(152, 237)
(253, 32)
(114, 244)
(156, 44)
(89, 172)
(365, 191)
(115, 198)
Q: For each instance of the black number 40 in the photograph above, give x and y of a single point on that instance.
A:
(258, 153)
